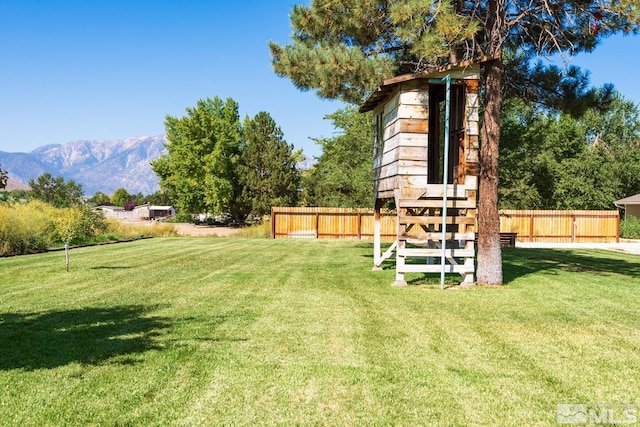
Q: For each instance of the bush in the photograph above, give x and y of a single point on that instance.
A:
(630, 228)
(26, 227)
(78, 224)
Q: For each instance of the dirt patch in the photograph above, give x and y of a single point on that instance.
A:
(204, 230)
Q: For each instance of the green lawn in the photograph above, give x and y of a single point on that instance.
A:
(231, 331)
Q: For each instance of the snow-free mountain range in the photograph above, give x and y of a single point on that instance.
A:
(98, 165)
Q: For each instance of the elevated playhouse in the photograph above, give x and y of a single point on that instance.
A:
(426, 160)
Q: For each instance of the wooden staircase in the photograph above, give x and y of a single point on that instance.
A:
(419, 243)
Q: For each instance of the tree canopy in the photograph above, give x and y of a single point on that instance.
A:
(216, 165)
(203, 150)
(343, 175)
(344, 48)
(267, 166)
(56, 191)
(555, 161)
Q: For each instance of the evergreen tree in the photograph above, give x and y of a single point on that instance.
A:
(267, 168)
(345, 48)
(343, 176)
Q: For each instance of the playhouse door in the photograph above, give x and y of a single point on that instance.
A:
(437, 106)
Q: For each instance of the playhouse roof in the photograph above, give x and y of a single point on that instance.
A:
(462, 70)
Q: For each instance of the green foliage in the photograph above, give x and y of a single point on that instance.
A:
(343, 176)
(630, 227)
(199, 168)
(78, 223)
(99, 198)
(345, 48)
(267, 167)
(120, 197)
(556, 161)
(56, 191)
(26, 227)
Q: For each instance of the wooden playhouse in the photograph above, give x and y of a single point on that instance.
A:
(426, 160)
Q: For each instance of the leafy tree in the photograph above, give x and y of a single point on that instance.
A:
(4, 178)
(199, 169)
(556, 161)
(345, 48)
(343, 176)
(120, 197)
(99, 198)
(267, 167)
(56, 191)
(161, 197)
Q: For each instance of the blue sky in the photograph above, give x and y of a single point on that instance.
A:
(96, 69)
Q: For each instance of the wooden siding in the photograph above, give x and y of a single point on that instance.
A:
(531, 225)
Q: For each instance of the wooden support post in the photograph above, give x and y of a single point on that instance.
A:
(377, 249)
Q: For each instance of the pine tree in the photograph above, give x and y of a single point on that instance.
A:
(267, 167)
(345, 48)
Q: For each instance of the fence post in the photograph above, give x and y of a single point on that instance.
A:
(531, 227)
(273, 223)
(618, 226)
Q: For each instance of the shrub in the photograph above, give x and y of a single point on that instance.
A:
(26, 227)
(78, 224)
(630, 228)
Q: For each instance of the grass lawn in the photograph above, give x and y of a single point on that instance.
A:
(233, 331)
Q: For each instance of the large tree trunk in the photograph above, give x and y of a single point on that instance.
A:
(489, 270)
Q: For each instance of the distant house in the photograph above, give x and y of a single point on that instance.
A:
(630, 204)
(157, 212)
(141, 212)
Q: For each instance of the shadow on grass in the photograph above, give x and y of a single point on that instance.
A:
(519, 262)
(91, 336)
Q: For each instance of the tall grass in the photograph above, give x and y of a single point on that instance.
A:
(26, 227)
(123, 230)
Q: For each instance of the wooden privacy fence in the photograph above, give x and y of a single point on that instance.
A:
(531, 225)
(562, 226)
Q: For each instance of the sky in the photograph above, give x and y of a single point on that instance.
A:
(95, 69)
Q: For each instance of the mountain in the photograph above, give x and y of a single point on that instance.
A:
(97, 165)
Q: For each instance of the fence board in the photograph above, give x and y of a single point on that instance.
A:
(531, 225)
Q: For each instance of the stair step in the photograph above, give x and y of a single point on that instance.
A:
(436, 268)
(437, 236)
(437, 203)
(436, 252)
(427, 220)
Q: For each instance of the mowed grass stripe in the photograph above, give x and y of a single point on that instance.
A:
(213, 331)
